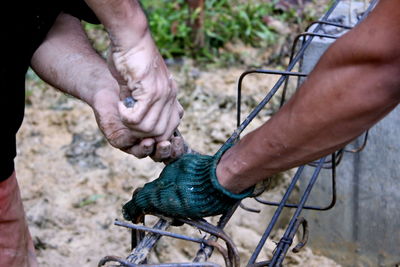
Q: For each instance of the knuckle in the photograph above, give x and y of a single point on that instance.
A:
(137, 152)
(148, 128)
(158, 131)
(131, 120)
(117, 139)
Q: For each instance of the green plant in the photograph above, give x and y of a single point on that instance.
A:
(224, 22)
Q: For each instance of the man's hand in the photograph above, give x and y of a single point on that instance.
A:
(187, 188)
(142, 74)
(120, 136)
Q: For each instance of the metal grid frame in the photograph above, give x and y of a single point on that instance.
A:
(142, 244)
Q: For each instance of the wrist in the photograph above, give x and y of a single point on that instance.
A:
(120, 17)
(130, 40)
(133, 61)
(124, 20)
(225, 180)
(103, 88)
(226, 174)
(229, 191)
(126, 37)
(126, 29)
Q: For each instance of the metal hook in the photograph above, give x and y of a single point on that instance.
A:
(304, 239)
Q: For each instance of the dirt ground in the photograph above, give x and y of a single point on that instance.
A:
(74, 183)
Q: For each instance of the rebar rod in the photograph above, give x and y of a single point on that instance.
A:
(205, 252)
(231, 255)
(259, 71)
(311, 207)
(283, 245)
(218, 233)
(140, 252)
(329, 23)
(125, 263)
(275, 216)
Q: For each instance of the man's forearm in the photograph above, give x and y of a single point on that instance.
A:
(355, 84)
(67, 61)
(124, 20)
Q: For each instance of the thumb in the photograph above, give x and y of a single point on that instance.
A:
(113, 69)
(124, 90)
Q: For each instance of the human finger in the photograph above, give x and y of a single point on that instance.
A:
(162, 151)
(152, 122)
(177, 147)
(143, 149)
(160, 122)
(172, 124)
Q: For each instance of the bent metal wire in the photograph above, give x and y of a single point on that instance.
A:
(142, 244)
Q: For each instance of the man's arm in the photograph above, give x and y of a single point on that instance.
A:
(354, 85)
(67, 61)
(124, 20)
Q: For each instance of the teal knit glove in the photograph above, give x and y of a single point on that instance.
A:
(186, 188)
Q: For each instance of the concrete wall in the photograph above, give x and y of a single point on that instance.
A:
(363, 229)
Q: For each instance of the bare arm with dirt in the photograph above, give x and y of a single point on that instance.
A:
(67, 61)
(354, 85)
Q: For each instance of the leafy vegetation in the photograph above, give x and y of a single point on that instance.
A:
(224, 21)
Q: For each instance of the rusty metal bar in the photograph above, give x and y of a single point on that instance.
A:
(140, 252)
(205, 252)
(258, 71)
(287, 239)
(328, 23)
(319, 208)
(125, 263)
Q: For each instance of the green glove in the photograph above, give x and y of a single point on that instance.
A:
(186, 188)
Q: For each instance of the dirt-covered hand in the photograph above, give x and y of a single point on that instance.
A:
(186, 188)
(143, 75)
(105, 107)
